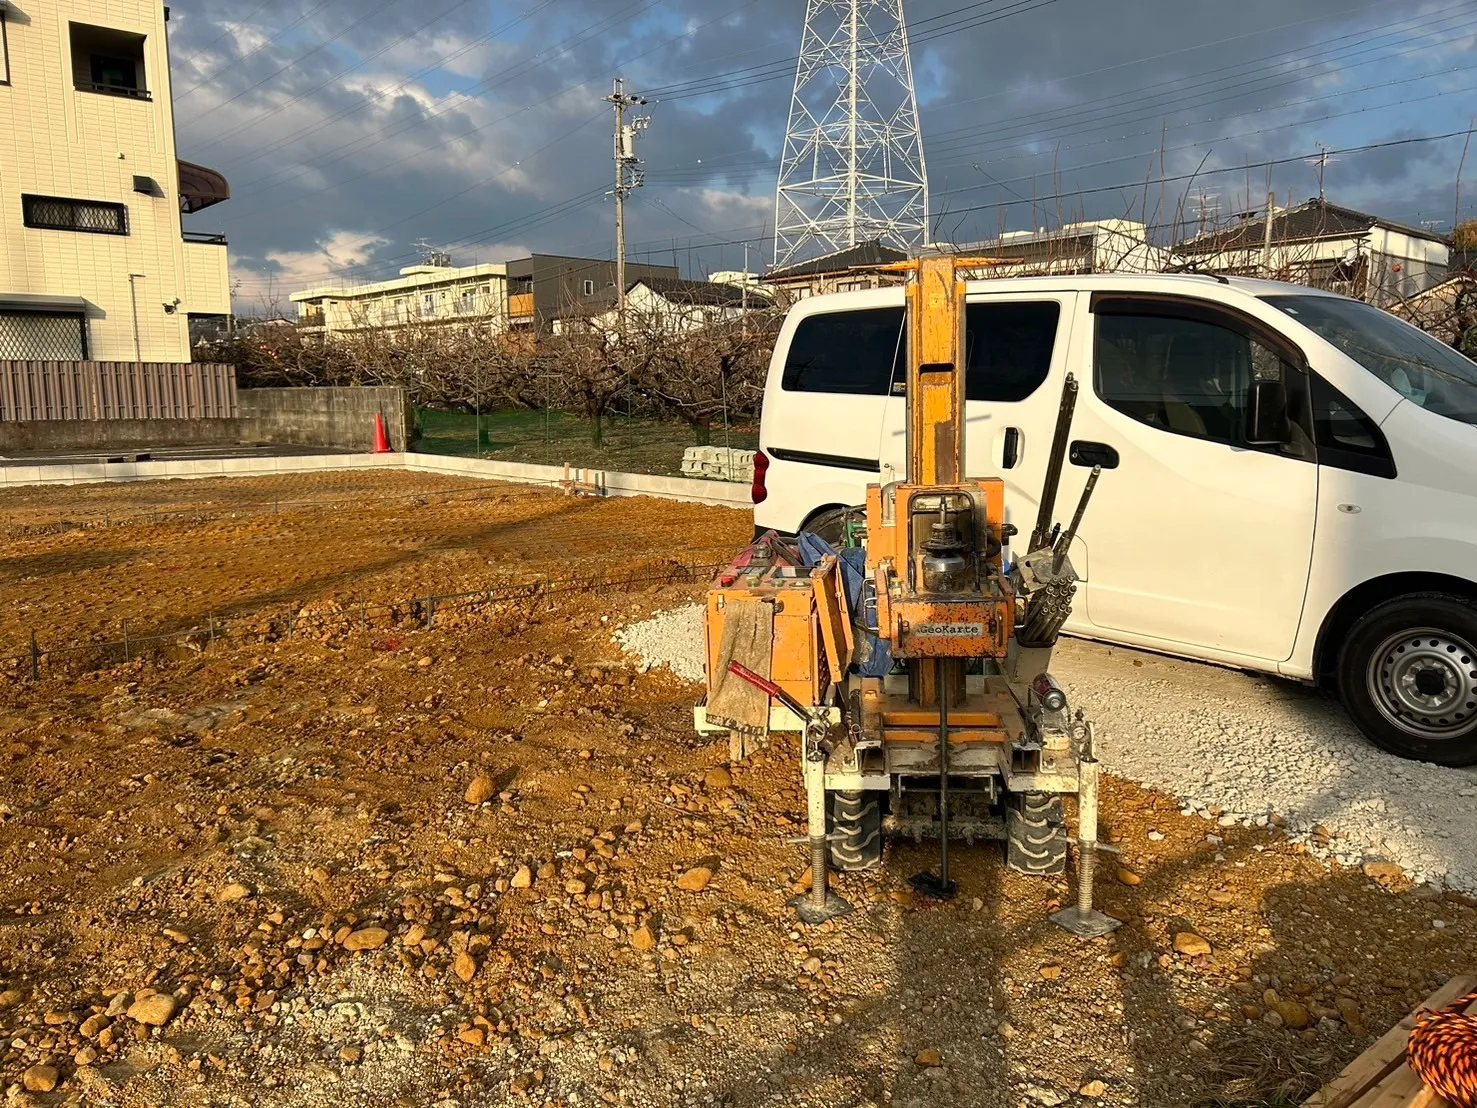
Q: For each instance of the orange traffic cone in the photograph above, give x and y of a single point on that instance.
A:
(381, 440)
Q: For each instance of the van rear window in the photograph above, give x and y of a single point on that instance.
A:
(864, 353)
(860, 353)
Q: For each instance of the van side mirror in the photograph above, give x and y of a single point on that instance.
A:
(1266, 415)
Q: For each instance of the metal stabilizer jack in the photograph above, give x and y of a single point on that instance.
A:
(1084, 920)
(820, 903)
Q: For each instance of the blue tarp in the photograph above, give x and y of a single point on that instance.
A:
(873, 654)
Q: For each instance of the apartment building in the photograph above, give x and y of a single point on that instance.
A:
(546, 288)
(95, 260)
(1326, 246)
(436, 295)
(530, 294)
(1093, 246)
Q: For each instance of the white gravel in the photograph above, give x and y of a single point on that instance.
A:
(1250, 747)
(672, 638)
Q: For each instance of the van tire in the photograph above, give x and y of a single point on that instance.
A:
(856, 830)
(1407, 674)
(1036, 834)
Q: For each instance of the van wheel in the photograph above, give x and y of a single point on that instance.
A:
(830, 524)
(1408, 676)
(856, 823)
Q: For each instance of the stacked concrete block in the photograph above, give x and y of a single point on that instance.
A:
(718, 463)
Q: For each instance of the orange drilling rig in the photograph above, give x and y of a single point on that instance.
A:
(915, 664)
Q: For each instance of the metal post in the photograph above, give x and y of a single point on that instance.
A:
(212, 629)
(126, 655)
(289, 623)
(35, 659)
(430, 612)
(1267, 235)
(138, 356)
(363, 617)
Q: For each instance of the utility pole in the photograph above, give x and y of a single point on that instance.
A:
(628, 177)
(1267, 236)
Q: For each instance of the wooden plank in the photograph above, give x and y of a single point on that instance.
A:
(831, 616)
(1387, 1054)
(1402, 1089)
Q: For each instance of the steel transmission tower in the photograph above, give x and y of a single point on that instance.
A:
(853, 166)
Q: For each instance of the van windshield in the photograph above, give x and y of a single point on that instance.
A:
(1424, 370)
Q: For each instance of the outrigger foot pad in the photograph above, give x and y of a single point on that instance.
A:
(933, 886)
(1091, 924)
(812, 913)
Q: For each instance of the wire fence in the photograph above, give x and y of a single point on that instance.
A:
(410, 613)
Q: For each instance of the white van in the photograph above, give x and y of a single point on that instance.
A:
(1289, 486)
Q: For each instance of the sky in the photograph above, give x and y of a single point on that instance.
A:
(351, 130)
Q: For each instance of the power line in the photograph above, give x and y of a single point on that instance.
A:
(380, 94)
(261, 118)
(257, 50)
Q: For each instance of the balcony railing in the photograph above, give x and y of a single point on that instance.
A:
(114, 90)
(211, 238)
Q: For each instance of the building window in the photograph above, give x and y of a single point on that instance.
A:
(428, 305)
(108, 61)
(43, 336)
(589, 288)
(60, 214)
(4, 50)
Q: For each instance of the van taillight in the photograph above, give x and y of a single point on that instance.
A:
(757, 492)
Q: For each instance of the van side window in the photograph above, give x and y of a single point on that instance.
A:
(1188, 376)
(1010, 346)
(1346, 437)
(860, 352)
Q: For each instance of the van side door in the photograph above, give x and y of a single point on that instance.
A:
(1196, 536)
(1017, 348)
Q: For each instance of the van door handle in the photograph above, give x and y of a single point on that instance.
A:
(1012, 453)
(1084, 453)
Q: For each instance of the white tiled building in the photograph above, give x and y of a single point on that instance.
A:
(95, 262)
(421, 295)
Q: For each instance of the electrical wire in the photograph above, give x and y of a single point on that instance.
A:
(259, 119)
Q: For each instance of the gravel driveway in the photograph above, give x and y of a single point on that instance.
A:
(1235, 747)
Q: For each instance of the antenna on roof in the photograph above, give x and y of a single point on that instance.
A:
(1324, 156)
(432, 255)
(1207, 209)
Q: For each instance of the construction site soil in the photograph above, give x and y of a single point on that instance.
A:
(490, 862)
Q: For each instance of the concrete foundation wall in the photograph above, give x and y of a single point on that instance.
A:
(341, 418)
(597, 482)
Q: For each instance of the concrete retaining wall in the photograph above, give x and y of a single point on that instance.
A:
(600, 482)
(107, 436)
(340, 418)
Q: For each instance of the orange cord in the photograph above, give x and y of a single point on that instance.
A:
(1443, 1052)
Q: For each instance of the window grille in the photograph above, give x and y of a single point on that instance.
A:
(59, 214)
(42, 336)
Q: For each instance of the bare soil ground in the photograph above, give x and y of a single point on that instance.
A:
(410, 866)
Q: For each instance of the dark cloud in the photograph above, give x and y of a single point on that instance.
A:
(345, 124)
